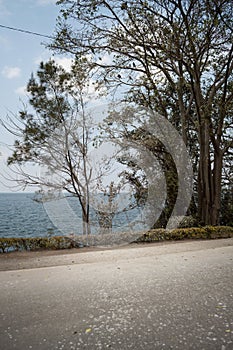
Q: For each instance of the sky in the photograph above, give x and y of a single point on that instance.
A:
(21, 54)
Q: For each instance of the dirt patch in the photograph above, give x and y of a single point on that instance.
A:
(43, 258)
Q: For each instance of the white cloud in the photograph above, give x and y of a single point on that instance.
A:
(21, 90)
(64, 62)
(11, 72)
(44, 57)
(106, 59)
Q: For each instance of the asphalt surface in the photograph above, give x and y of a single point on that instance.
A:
(172, 296)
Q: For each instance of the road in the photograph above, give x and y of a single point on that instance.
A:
(171, 296)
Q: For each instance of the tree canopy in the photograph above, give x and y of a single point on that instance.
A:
(175, 57)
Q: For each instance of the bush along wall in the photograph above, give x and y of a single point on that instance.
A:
(156, 235)
(206, 232)
(37, 243)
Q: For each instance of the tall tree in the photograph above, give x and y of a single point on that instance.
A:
(55, 133)
(175, 56)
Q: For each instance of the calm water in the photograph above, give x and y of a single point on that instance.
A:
(22, 216)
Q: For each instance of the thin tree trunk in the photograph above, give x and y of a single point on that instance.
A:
(216, 200)
(204, 183)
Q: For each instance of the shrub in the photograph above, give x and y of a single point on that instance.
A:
(36, 243)
(155, 235)
(188, 221)
(207, 232)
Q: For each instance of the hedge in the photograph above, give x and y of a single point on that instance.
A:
(157, 235)
(206, 232)
(36, 243)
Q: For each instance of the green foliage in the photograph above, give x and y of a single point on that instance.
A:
(227, 207)
(188, 221)
(37, 243)
(207, 232)
(155, 235)
(49, 99)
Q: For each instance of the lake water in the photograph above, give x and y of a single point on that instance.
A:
(22, 216)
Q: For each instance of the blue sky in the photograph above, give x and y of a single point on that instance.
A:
(20, 56)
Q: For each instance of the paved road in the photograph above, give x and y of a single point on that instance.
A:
(177, 296)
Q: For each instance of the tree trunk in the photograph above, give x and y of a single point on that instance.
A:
(86, 226)
(85, 216)
(209, 184)
(204, 176)
(216, 190)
